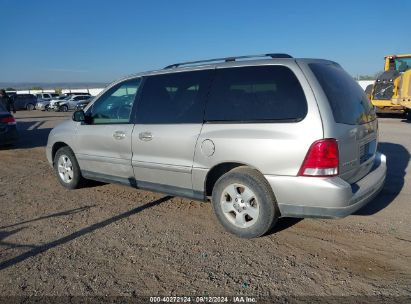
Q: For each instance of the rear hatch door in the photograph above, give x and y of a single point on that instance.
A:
(355, 124)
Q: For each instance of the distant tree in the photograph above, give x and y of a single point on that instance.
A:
(10, 89)
(58, 90)
(37, 88)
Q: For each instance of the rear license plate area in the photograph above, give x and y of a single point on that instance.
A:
(367, 151)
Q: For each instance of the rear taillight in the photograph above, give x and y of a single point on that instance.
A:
(321, 159)
(8, 120)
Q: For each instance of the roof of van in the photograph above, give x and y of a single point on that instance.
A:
(248, 60)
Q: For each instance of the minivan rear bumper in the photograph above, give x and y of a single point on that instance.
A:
(327, 197)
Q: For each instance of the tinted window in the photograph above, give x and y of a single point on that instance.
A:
(252, 94)
(347, 99)
(81, 97)
(174, 98)
(115, 105)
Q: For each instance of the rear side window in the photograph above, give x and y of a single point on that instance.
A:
(174, 98)
(347, 99)
(256, 94)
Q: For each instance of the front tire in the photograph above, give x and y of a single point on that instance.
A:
(67, 168)
(244, 203)
(30, 107)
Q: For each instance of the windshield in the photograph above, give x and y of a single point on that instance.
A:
(402, 64)
(347, 99)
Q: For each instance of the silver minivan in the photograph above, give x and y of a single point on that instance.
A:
(261, 138)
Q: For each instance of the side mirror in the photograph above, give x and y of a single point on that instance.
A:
(79, 116)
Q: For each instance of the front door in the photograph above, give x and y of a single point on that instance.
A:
(103, 143)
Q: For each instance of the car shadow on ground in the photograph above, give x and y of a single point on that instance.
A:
(397, 161)
(283, 224)
(32, 134)
(57, 214)
(39, 249)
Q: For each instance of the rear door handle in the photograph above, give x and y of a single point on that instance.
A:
(119, 135)
(146, 136)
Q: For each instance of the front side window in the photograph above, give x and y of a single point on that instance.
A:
(115, 105)
(174, 98)
(256, 94)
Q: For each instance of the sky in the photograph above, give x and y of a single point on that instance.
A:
(100, 41)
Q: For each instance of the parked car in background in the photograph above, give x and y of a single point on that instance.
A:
(43, 105)
(82, 104)
(46, 96)
(68, 103)
(24, 101)
(8, 130)
(262, 139)
(77, 93)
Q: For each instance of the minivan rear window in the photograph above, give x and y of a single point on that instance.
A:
(256, 94)
(348, 101)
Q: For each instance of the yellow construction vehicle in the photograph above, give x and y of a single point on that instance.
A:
(391, 92)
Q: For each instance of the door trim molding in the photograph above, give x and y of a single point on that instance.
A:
(132, 182)
(165, 167)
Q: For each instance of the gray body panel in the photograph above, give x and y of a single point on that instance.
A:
(166, 158)
(176, 158)
(105, 149)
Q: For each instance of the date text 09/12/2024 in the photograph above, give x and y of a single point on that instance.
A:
(204, 299)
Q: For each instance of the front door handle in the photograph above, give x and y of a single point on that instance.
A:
(119, 135)
(146, 136)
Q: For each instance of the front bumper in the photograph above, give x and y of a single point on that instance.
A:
(327, 197)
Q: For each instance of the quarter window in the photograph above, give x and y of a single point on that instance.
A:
(115, 105)
(347, 99)
(173, 98)
(256, 94)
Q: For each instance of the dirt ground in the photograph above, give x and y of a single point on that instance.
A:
(111, 240)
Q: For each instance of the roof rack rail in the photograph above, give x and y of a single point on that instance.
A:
(229, 59)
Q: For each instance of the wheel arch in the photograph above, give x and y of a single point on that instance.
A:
(219, 170)
(56, 146)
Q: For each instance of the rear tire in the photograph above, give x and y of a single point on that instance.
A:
(244, 203)
(30, 107)
(407, 114)
(67, 168)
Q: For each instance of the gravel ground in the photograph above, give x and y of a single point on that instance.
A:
(110, 240)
